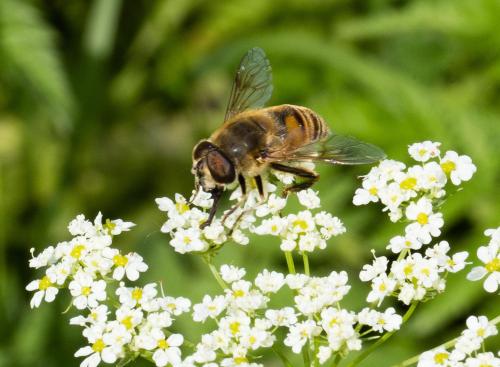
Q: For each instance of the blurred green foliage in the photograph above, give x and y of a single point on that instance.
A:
(102, 101)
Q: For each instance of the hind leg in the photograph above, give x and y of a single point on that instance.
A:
(309, 176)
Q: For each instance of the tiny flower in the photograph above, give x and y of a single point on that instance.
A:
(459, 168)
(309, 198)
(378, 267)
(209, 308)
(86, 291)
(167, 349)
(300, 333)
(426, 223)
(230, 273)
(422, 152)
(490, 256)
(283, 317)
(129, 265)
(435, 358)
(400, 243)
(269, 282)
(99, 348)
(44, 290)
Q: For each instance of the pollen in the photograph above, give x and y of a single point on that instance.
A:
(334, 321)
(234, 327)
(86, 291)
(120, 260)
(422, 152)
(163, 344)
(238, 293)
(302, 224)
(98, 346)
(480, 332)
(44, 283)
(127, 322)
(408, 183)
(448, 166)
(440, 358)
(137, 294)
(373, 191)
(422, 218)
(408, 269)
(382, 287)
(76, 252)
(110, 226)
(493, 265)
(240, 360)
(186, 240)
(181, 207)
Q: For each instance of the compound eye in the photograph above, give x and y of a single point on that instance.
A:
(220, 167)
(202, 148)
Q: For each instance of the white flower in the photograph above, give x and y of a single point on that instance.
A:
(269, 282)
(117, 226)
(296, 281)
(309, 198)
(99, 350)
(400, 243)
(283, 317)
(369, 191)
(486, 359)
(300, 223)
(86, 291)
(330, 225)
(188, 240)
(459, 168)
(422, 152)
(174, 305)
(81, 226)
(96, 316)
(130, 265)
(427, 223)
(46, 257)
(143, 297)
(230, 273)
(381, 287)
(44, 290)
(490, 256)
(481, 327)
(300, 333)
(273, 205)
(209, 308)
(378, 267)
(434, 358)
(166, 349)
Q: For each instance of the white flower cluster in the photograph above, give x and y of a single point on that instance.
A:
(414, 193)
(92, 271)
(411, 192)
(413, 277)
(490, 256)
(138, 328)
(468, 349)
(241, 328)
(245, 324)
(303, 231)
(84, 262)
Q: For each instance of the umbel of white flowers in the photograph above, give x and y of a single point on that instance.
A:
(122, 322)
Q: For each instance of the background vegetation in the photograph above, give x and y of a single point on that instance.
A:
(102, 101)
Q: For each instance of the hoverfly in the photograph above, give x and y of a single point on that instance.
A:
(254, 138)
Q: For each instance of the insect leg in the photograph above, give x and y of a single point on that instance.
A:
(216, 195)
(310, 176)
(243, 184)
(260, 186)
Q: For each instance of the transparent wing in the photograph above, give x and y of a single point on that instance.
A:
(335, 149)
(252, 85)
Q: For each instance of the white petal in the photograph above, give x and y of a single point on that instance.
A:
(33, 286)
(477, 273)
(108, 355)
(175, 340)
(37, 299)
(491, 283)
(85, 351)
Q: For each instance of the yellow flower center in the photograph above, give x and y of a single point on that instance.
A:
(127, 322)
(422, 152)
(480, 332)
(252, 339)
(240, 360)
(334, 321)
(381, 321)
(76, 252)
(163, 344)
(86, 291)
(98, 346)
(440, 358)
(137, 294)
(110, 226)
(422, 218)
(373, 191)
(382, 287)
(181, 207)
(120, 260)
(238, 293)
(493, 265)
(186, 240)
(408, 183)
(408, 269)
(44, 283)
(274, 228)
(234, 327)
(448, 166)
(302, 224)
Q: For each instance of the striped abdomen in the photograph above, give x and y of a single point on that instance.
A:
(299, 125)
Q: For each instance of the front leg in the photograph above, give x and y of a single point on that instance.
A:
(310, 176)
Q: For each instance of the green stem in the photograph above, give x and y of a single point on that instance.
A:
(382, 339)
(289, 262)
(446, 345)
(335, 360)
(306, 263)
(282, 356)
(305, 355)
(215, 273)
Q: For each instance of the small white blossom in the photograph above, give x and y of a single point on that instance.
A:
(459, 168)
